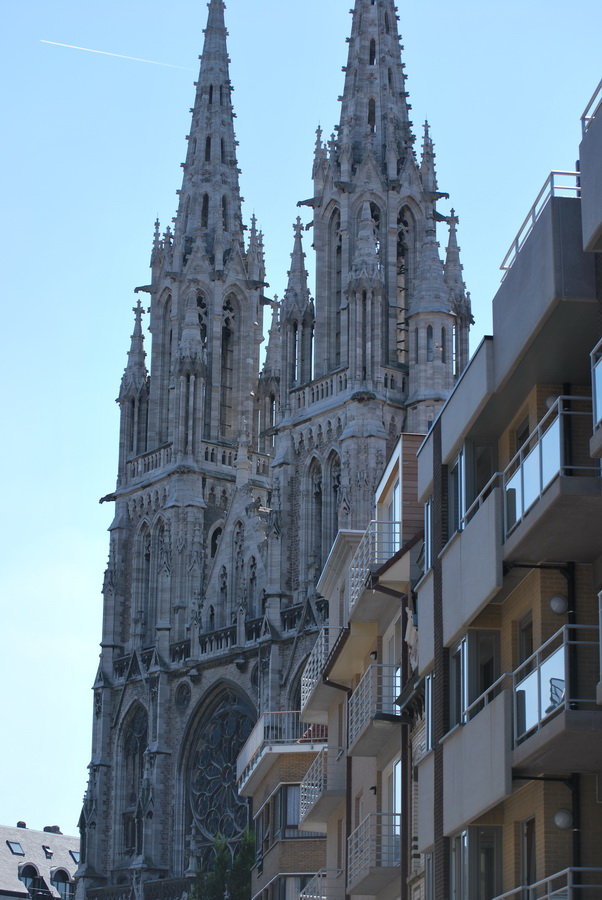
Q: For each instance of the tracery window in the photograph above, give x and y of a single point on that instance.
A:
(214, 805)
(135, 742)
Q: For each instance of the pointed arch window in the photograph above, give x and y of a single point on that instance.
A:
(372, 53)
(443, 345)
(372, 115)
(223, 151)
(405, 261)
(221, 95)
(390, 76)
(135, 742)
(215, 539)
(429, 343)
(210, 95)
(416, 346)
(336, 262)
(205, 211)
(225, 222)
(295, 354)
(208, 148)
(227, 369)
(387, 25)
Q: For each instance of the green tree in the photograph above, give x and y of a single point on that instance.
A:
(229, 878)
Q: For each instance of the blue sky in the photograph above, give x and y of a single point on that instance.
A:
(91, 157)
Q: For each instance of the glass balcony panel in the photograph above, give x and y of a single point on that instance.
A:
(531, 479)
(552, 682)
(597, 384)
(514, 499)
(550, 454)
(527, 704)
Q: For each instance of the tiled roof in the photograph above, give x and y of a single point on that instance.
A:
(32, 843)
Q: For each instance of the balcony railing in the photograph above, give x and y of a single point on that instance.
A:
(315, 664)
(375, 844)
(542, 684)
(326, 773)
(569, 884)
(374, 696)
(593, 108)
(541, 460)
(379, 543)
(327, 884)
(276, 729)
(597, 384)
(558, 184)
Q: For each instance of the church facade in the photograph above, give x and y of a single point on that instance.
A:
(234, 478)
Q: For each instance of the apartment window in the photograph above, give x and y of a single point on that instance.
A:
(528, 852)
(429, 879)
(428, 535)
(455, 495)
(290, 886)
(476, 864)
(429, 712)
(474, 667)
(287, 812)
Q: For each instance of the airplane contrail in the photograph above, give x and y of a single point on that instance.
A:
(152, 62)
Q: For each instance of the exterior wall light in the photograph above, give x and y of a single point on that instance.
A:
(558, 604)
(563, 819)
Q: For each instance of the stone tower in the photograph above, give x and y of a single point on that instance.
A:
(232, 482)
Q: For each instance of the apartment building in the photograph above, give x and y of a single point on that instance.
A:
(356, 790)
(510, 786)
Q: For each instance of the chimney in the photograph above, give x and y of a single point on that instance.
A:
(21, 824)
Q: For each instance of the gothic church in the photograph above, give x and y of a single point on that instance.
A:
(233, 480)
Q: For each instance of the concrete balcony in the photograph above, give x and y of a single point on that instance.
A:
(327, 884)
(374, 854)
(316, 696)
(275, 733)
(553, 490)
(595, 444)
(549, 287)
(373, 714)
(472, 563)
(370, 599)
(557, 722)
(478, 752)
(590, 155)
(569, 884)
(323, 788)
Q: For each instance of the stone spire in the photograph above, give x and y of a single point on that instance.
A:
(459, 296)
(432, 294)
(374, 99)
(211, 158)
(135, 374)
(296, 296)
(427, 166)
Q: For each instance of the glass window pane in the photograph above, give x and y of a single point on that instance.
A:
(550, 454)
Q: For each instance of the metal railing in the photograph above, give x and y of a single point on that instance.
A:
(327, 884)
(315, 664)
(569, 884)
(375, 694)
(326, 773)
(555, 186)
(542, 685)
(592, 109)
(596, 357)
(375, 843)
(276, 729)
(380, 542)
(540, 461)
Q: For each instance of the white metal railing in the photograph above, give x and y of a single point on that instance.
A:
(327, 884)
(375, 694)
(326, 773)
(555, 186)
(273, 729)
(569, 884)
(375, 843)
(312, 672)
(592, 109)
(596, 357)
(542, 685)
(540, 461)
(380, 542)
